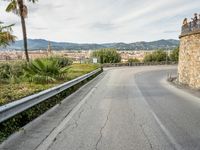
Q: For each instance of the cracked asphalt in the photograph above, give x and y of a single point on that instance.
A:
(127, 108)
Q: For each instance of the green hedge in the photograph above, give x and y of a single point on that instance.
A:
(14, 124)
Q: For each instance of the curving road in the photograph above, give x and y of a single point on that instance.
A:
(129, 108)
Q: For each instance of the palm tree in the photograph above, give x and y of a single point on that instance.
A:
(45, 70)
(6, 34)
(19, 8)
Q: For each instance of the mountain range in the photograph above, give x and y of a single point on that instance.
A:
(41, 44)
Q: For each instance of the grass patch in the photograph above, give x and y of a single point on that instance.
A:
(77, 70)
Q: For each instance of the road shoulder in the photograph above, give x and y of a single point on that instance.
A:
(34, 133)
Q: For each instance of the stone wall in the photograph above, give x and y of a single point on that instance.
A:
(189, 60)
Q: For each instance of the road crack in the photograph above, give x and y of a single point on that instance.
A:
(67, 127)
(101, 131)
(148, 140)
(79, 116)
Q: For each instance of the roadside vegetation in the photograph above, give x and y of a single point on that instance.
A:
(107, 56)
(156, 56)
(19, 79)
(133, 60)
(161, 56)
(174, 55)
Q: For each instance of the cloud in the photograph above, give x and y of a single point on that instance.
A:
(103, 21)
(103, 26)
(39, 28)
(170, 31)
(71, 18)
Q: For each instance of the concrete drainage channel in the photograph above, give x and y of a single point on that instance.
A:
(16, 114)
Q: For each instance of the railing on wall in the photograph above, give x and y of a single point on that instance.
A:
(191, 27)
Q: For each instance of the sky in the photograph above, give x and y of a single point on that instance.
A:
(102, 21)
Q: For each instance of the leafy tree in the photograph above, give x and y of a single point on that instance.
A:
(133, 60)
(156, 56)
(19, 8)
(175, 54)
(107, 55)
(6, 34)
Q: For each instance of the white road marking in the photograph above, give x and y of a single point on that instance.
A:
(167, 133)
(163, 128)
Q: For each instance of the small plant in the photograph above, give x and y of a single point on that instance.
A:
(46, 70)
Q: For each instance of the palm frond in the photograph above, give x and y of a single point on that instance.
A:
(6, 35)
(45, 69)
(7, 28)
(12, 6)
(64, 70)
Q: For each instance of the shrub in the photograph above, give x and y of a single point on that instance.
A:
(62, 61)
(11, 72)
(4, 71)
(107, 56)
(156, 56)
(45, 70)
(175, 54)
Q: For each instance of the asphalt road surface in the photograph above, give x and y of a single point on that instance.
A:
(128, 108)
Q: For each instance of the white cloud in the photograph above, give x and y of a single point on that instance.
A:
(103, 20)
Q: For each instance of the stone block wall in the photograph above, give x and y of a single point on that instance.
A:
(189, 60)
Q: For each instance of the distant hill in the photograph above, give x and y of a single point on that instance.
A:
(36, 44)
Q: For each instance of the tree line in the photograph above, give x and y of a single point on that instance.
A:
(112, 56)
(161, 55)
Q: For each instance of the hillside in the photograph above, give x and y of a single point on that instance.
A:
(34, 44)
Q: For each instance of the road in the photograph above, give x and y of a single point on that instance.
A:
(128, 108)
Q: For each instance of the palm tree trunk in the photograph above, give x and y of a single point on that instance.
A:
(24, 37)
(21, 5)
